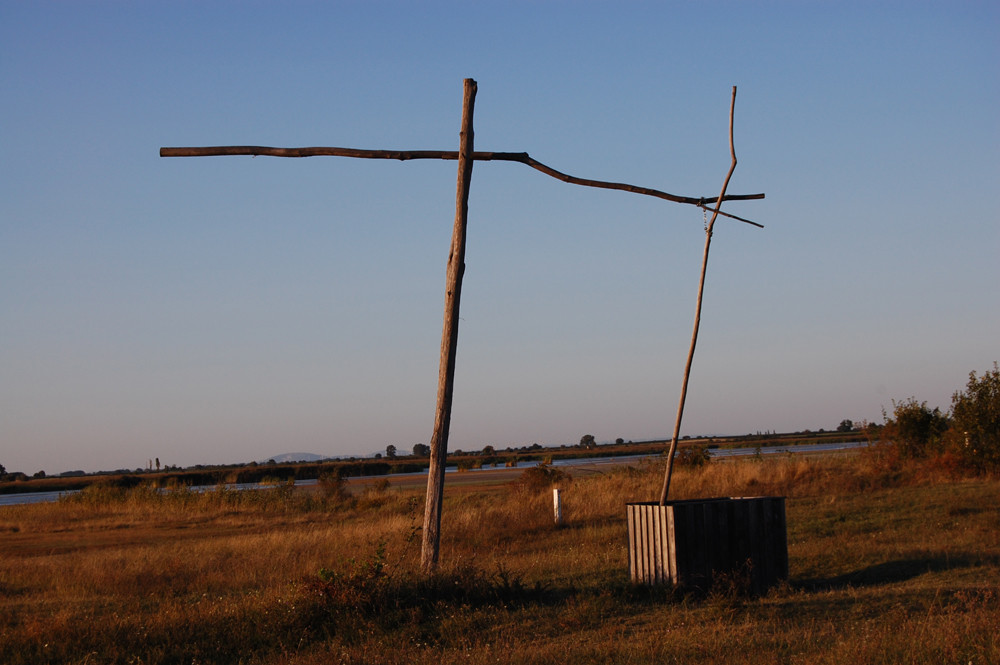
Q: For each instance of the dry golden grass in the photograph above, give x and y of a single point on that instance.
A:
(888, 564)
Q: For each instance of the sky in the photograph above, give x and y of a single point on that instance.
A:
(226, 309)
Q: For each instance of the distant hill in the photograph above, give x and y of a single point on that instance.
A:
(294, 457)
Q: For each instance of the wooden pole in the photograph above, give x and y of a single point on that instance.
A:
(406, 155)
(697, 312)
(431, 545)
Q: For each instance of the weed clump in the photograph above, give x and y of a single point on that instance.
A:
(693, 456)
(333, 486)
(112, 491)
(540, 478)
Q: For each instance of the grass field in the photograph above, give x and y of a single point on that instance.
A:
(888, 564)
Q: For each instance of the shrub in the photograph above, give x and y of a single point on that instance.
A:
(693, 456)
(333, 486)
(541, 477)
(914, 428)
(975, 416)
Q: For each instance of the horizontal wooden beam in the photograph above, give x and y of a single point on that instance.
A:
(405, 155)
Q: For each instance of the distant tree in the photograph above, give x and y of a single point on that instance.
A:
(421, 450)
(378, 455)
(975, 420)
(39, 474)
(3, 471)
(588, 441)
(619, 441)
(845, 426)
(157, 463)
(390, 451)
(488, 450)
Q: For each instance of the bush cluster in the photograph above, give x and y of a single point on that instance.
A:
(693, 456)
(541, 477)
(968, 433)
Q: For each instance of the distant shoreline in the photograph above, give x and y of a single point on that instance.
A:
(254, 472)
(404, 476)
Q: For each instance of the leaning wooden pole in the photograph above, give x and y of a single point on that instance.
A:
(697, 311)
(431, 545)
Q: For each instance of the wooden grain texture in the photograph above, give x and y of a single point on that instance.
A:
(431, 545)
(697, 543)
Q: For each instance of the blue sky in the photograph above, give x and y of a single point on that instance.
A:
(219, 310)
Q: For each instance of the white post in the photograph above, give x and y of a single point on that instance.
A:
(557, 505)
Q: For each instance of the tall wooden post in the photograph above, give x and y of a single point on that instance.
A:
(697, 310)
(431, 545)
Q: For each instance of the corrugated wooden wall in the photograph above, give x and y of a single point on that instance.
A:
(694, 543)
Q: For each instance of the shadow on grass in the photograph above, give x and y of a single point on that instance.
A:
(900, 570)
